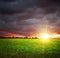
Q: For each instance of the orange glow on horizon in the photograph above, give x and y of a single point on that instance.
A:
(46, 35)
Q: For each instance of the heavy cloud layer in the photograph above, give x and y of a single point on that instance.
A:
(28, 17)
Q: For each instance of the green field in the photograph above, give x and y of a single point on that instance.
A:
(29, 48)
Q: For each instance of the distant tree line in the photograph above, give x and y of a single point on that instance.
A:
(18, 37)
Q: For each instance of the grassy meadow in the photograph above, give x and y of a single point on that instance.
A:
(29, 48)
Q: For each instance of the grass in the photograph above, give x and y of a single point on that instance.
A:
(29, 48)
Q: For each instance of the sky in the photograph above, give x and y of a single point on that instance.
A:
(29, 17)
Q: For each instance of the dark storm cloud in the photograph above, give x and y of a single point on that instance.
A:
(8, 0)
(26, 16)
(17, 6)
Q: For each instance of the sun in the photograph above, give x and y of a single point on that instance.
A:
(45, 36)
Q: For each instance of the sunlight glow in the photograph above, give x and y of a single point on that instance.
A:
(45, 36)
